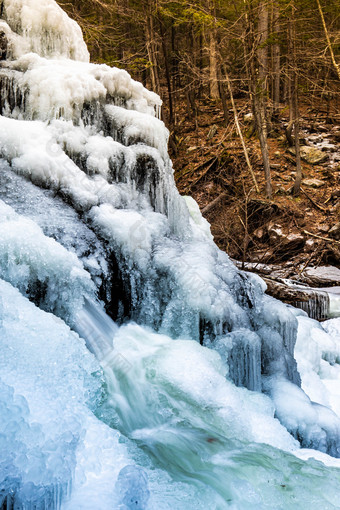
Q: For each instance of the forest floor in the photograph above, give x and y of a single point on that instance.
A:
(292, 232)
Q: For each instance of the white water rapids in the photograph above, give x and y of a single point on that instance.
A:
(139, 369)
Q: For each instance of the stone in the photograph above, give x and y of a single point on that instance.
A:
(248, 117)
(323, 276)
(313, 183)
(334, 232)
(284, 242)
(311, 155)
(212, 132)
(259, 233)
(324, 228)
(336, 136)
(310, 245)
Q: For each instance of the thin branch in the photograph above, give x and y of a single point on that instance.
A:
(329, 44)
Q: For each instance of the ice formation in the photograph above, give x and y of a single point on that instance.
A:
(206, 386)
(42, 27)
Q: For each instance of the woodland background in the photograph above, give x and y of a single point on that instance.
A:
(245, 83)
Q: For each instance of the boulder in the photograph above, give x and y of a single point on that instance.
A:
(311, 155)
(323, 276)
(284, 240)
(313, 183)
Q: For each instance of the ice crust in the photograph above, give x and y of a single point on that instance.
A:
(176, 428)
(61, 88)
(42, 27)
(43, 401)
(40, 267)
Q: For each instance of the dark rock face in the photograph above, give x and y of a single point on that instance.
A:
(3, 45)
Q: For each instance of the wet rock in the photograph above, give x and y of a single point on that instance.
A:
(287, 293)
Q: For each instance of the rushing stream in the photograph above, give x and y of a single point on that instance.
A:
(139, 369)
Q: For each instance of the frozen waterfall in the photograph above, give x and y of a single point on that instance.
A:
(138, 367)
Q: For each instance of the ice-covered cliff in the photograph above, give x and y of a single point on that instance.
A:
(195, 386)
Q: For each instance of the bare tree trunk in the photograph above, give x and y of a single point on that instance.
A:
(262, 51)
(214, 91)
(276, 60)
(167, 72)
(213, 60)
(151, 46)
(258, 89)
(295, 101)
(223, 98)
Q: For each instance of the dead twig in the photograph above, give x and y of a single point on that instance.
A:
(323, 209)
(321, 237)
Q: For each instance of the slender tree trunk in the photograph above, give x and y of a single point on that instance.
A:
(262, 52)
(295, 116)
(223, 97)
(213, 59)
(258, 67)
(151, 46)
(167, 71)
(214, 90)
(276, 60)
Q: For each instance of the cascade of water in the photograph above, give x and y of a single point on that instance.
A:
(97, 329)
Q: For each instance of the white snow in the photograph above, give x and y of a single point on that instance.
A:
(44, 28)
(61, 87)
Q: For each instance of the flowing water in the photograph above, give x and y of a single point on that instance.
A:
(139, 369)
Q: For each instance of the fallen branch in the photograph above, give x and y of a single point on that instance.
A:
(212, 204)
(329, 44)
(321, 237)
(206, 170)
(333, 196)
(239, 131)
(323, 209)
